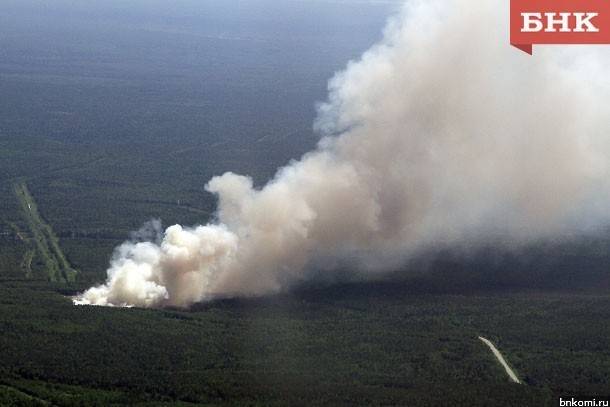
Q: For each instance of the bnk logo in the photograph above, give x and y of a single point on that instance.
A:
(559, 22)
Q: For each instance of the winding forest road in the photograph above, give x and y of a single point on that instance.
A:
(498, 355)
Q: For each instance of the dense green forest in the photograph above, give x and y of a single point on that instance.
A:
(376, 343)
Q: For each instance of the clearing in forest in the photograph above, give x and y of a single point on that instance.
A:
(45, 242)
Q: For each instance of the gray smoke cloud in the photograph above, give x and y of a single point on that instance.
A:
(440, 135)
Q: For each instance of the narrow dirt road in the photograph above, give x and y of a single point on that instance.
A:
(498, 355)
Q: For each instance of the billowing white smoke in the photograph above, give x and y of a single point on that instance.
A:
(442, 134)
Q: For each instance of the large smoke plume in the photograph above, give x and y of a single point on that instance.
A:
(441, 135)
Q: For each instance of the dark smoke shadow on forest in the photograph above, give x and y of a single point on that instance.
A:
(576, 265)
